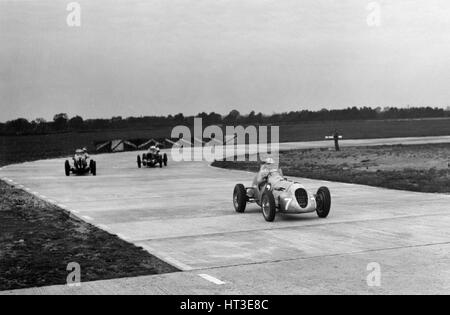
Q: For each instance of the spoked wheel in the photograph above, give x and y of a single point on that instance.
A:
(67, 168)
(240, 198)
(93, 168)
(323, 200)
(268, 206)
(139, 161)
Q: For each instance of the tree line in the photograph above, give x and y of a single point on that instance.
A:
(63, 123)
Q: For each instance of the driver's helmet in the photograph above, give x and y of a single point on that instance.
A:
(269, 165)
(79, 152)
(157, 149)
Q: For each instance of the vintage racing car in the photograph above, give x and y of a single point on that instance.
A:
(82, 164)
(152, 158)
(283, 196)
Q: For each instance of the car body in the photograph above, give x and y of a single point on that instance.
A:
(81, 165)
(283, 196)
(152, 159)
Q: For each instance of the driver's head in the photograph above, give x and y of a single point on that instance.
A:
(85, 150)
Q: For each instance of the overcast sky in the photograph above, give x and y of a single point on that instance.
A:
(152, 57)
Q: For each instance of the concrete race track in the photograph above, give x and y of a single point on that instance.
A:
(184, 215)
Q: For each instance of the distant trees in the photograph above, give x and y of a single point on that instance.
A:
(76, 123)
(20, 125)
(232, 117)
(178, 118)
(62, 123)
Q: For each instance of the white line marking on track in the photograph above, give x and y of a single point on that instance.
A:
(102, 226)
(176, 263)
(212, 279)
(122, 237)
(166, 258)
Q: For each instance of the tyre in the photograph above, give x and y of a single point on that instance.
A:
(240, 198)
(165, 159)
(67, 168)
(268, 206)
(139, 161)
(323, 199)
(93, 167)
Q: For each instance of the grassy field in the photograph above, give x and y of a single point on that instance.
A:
(38, 241)
(29, 148)
(421, 168)
(368, 129)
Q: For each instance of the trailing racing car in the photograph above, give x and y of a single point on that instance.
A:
(81, 164)
(152, 158)
(274, 193)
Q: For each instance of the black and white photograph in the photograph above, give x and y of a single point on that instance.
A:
(225, 154)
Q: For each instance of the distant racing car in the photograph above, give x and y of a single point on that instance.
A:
(152, 158)
(81, 164)
(278, 194)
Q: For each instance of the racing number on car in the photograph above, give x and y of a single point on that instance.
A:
(288, 203)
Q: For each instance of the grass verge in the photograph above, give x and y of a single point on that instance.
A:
(420, 168)
(38, 240)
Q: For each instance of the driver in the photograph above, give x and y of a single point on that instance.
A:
(269, 172)
(81, 157)
(85, 153)
(154, 150)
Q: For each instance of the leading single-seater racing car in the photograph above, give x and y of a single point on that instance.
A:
(152, 158)
(81, 164)
(278, 194)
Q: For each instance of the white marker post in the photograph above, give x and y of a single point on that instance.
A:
(336, 137)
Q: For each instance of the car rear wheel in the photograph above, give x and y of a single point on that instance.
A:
(323, 199)
(268, 206)
(239, 198)
(139, 161)
(165, 159)
(67, 168)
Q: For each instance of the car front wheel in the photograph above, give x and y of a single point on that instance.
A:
(67, 168)
(93, 167)
(323, 199)
(139, 161)
(268, 206)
